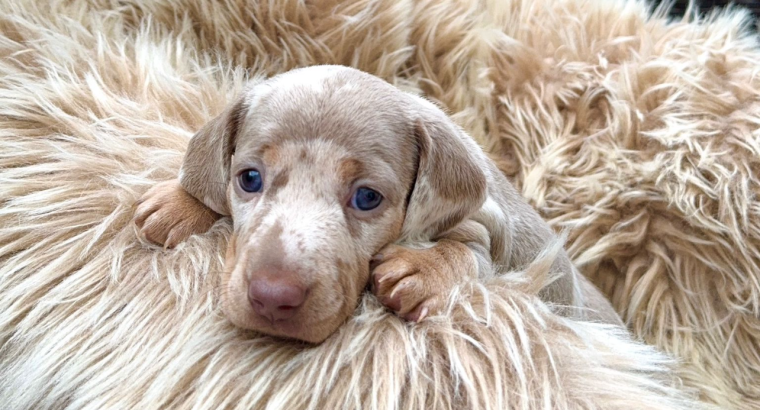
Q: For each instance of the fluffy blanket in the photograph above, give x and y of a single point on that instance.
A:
(638, 137)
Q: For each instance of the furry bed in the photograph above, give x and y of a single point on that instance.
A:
(640, 138)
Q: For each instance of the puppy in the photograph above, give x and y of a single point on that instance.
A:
(331, 175)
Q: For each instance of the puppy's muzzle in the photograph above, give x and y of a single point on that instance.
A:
(276, 296)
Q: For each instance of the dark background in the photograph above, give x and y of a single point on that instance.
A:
(704, 7)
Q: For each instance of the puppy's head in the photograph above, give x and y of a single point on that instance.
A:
(320, 168)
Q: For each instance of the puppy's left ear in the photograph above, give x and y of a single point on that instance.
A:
(205, 170)
(451, 180)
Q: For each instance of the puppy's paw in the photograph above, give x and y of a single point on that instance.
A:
(167, 215)
(415, 283)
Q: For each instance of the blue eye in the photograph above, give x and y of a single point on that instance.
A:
(250, 180)
(365, 199)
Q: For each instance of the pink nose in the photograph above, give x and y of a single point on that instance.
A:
(276, 298)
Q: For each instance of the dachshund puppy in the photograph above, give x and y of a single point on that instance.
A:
(333, 177)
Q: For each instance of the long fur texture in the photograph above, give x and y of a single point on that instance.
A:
(639, 137)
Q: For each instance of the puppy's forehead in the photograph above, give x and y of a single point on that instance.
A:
(327, 102)
(313, 78)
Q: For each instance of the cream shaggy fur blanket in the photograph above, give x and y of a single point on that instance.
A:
(639, 138)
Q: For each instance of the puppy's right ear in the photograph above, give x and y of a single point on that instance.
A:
(451, 183)
(205, 170)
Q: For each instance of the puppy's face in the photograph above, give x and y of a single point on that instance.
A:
(323, 165)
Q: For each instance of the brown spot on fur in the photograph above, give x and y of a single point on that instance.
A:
(280, 180)
(349, 170)
(270, 154)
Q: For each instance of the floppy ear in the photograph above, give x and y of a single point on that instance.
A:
(451, 182)
(205, 170)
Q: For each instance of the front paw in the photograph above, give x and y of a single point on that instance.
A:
(415, 283)
(167, 215)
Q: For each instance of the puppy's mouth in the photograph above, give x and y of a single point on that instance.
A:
(273, 320)
(277, 327)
